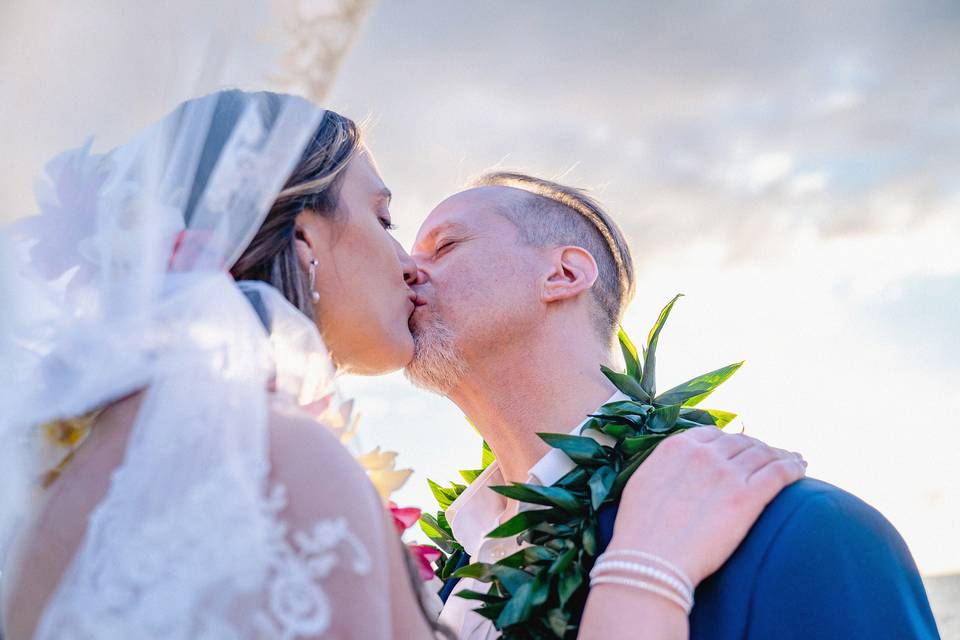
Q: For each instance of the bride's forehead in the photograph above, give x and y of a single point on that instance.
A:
(363, 167)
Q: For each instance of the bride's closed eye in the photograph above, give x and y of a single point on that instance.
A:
(387, 223)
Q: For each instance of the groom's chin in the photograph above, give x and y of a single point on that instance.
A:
(436, 365)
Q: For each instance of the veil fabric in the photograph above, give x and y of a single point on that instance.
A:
(120, 284)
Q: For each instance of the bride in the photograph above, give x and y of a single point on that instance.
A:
(164, 472)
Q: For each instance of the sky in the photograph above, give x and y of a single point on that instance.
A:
(791, 167)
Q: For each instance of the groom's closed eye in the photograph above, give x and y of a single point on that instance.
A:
(443, 246)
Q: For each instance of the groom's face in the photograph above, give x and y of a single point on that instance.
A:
(477, 280)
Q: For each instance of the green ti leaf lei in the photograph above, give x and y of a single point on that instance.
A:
(540, 591)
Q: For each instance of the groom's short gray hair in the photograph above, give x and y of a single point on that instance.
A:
(556, 214)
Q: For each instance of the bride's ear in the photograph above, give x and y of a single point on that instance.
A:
(573, 271)
(305, 238)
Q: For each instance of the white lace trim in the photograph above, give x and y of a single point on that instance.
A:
(139, 593)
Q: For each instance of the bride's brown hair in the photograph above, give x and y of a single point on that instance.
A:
(314, 185)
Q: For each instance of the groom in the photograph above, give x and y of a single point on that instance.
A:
(522, 285)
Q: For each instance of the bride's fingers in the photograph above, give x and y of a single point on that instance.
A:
(780, 470)
(702, 434)
(754, 458)
(730, 445)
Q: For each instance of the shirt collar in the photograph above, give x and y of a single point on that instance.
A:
(477, 510)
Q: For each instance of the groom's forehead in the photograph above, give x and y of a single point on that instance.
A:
(468, 209)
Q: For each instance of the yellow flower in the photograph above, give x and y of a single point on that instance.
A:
(381, 469)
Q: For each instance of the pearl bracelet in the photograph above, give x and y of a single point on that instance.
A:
(684, 604)
(605, 566)
(681, 575)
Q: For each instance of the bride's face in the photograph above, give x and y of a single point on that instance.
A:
(365, 302)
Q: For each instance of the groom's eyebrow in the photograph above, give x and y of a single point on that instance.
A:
(431, 237)
(455, 227)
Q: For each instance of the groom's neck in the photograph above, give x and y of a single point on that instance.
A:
(545, 386)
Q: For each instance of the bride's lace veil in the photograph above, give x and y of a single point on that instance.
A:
(121, 283)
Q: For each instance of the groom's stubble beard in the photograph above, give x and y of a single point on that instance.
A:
(437, 365)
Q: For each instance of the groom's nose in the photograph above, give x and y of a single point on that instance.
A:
(418, 277)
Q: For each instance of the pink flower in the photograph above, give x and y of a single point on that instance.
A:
(425, 556)
(404, 517)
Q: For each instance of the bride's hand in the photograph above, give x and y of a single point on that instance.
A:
(695, 498)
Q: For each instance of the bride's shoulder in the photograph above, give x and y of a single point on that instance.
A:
(298, 434)
(314, 467)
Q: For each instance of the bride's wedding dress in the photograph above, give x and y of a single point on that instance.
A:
(120, 286)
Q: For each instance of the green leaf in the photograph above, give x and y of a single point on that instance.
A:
(580, 449)
(600, 484)
(708, 417)
(624, 408)
(589, 539)
(591, 423)
(511, 579)
(435, 532)
(648, 381)
(575, 479)
(664, 314)
(664, 418)
(557, 622)
(563, 561)
(630, 357)
(451, 563)
(626, 384)
(615, 430)
(486, 455)
(570, 581)
(636, 444)
(518, 607)
(468, 594)
(529, 556)
(631, 421)
(548, 496)
(491, 611)
(444, 496)
(469, 475)
(691, 392)
(541, 589)
(523, 520)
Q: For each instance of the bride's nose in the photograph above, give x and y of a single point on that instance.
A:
(408, 266)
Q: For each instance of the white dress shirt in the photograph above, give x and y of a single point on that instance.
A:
(479, 511)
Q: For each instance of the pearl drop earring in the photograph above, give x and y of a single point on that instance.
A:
(314, 294)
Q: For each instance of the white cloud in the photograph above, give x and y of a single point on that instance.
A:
(803, 184)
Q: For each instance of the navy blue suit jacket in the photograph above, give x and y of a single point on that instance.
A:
(819, 564)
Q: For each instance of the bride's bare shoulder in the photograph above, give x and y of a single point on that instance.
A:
(314, 466)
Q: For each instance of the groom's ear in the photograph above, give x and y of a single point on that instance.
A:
(573, 271)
